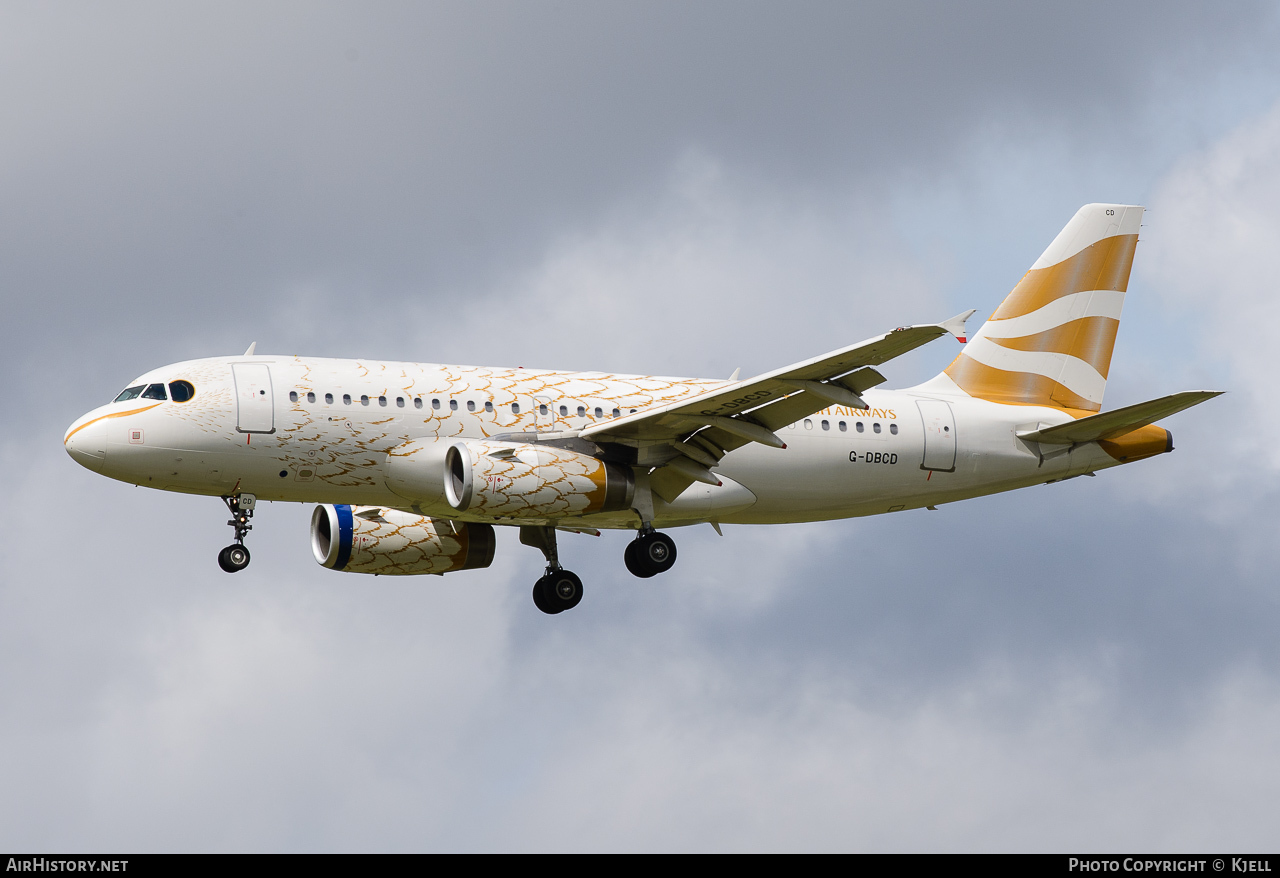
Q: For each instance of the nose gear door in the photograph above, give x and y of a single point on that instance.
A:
(255, 404)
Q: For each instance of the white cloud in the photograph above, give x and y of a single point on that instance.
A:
(711, 274)
(694, 759)
(1212, 249)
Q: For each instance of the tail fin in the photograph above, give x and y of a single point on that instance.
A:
(1049, 343)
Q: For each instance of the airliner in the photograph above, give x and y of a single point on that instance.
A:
(413, 465)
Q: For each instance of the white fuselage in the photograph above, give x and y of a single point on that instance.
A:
(319, 430)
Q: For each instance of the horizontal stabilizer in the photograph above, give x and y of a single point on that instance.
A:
(1112, 424)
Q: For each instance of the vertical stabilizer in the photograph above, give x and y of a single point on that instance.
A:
(1050, 342)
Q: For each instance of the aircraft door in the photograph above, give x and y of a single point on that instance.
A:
(255, 403)
(939, 435)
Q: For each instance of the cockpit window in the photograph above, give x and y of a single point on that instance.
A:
(130, 393)
(155, 391)
(181, 391)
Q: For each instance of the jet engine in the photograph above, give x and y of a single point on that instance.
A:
(371, 539)
(508, 479)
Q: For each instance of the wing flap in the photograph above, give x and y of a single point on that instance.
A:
(668, 483)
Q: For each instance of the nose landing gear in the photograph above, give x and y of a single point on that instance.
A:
(235, 557)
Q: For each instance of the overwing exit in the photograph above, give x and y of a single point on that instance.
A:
(413, 465)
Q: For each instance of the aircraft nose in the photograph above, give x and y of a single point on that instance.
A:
(87, 444)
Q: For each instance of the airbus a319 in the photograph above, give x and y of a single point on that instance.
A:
(413, 465)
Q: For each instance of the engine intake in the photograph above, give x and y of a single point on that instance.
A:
(371, 539)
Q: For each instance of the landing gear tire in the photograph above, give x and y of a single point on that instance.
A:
(539, 602)
(632, 560)
(650, 554)
(233, 558)
(556, 592)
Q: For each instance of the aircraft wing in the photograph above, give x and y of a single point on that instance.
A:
(751, 410)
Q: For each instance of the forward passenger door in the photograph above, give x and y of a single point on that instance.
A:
(255, 402)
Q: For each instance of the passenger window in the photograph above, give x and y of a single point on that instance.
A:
(399, 402)
(471, 405)
(826, 425)
(515, 408)
(453, 405)
(582, 412)
(617, 413)
(417, 402)
(844, 428)
(293, 396)
(893, 428)
(599, 412)
(382, 401)
(346, 399)
(564, 411)
(488, 406)
(181, 391)
(859, 426)
(542, 409)
(130, 393)
(311, 397)
(328, 398)
(435, 404)
(808, 424)
(155, 391)
(364, 400)
(876, 427)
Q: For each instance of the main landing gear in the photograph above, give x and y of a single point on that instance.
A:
(559, 589)
(649, 554)
(235, 557)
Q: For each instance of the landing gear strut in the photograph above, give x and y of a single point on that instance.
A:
(235, 557)
(559, 589)
(650, 553)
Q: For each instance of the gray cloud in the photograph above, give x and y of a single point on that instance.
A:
(197, 160)
(658, 188)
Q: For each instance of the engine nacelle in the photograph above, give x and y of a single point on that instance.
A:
(370, 539)
(508, 479)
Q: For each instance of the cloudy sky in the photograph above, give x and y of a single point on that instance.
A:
(654, 187)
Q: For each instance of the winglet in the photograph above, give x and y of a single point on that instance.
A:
(955, 325)
(249, 353)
